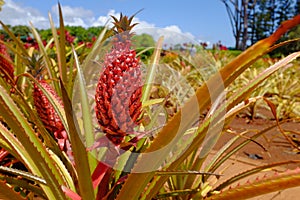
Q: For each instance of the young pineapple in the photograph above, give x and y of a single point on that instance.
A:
(6, 66)
(46, 112)
(118, 92)
(50, 118)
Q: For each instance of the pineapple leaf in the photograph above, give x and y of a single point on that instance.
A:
(237, 148)
(225, 147)
(24, 184)
(184, 172)
(277, 182)
(71, 194)
(86, 114)
(23, 174)
(136, 183)
(7, 193)
(252, 171)
(245, 91)
(14, 146)
(15, 39)
(79, 151)
(151, 73)
(65, 170)
(42, 165)
(96, 47)
(153, 102)
(218, 123)
(123, 24)
(176, 193)
(49, 141)
(61, 47)
(140, 52)
(47, 59)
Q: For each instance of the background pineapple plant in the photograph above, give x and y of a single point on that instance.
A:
(7, 68)
(49, 116)
(33, 139)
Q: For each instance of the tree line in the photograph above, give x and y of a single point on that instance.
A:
(74, 35)
(82, 34)
(253, 20)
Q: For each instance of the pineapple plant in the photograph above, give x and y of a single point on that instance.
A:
(49, 116)
(119, 91)
(119, 110)
(6, 65)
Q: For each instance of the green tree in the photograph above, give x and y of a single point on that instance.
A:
(253, 20)
(21, 30)
(94, 31)
(297, 7)
(143, 40)
(3, 34)
(269, 14)
(284, 10)
(45, 34)
(78, 31)
(293, 34)
(239, 14)
(264, 19)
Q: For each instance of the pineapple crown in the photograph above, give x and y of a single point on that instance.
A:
(123, 26)
(36, 66)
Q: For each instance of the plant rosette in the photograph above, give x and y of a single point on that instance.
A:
(165, 88)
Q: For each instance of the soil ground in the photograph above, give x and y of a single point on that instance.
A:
(270, 148)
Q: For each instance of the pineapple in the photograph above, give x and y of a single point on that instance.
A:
(50, 118)
(6, 66)
(118, 93)
(45, 110)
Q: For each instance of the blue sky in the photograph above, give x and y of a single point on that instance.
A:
(204, 20)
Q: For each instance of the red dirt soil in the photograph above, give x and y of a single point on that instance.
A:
(271, 147)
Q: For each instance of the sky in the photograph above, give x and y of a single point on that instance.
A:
(198, 20)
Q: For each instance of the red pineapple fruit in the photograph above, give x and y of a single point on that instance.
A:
(49, 116)
(118, 93)
(44, 108)
(6, 66)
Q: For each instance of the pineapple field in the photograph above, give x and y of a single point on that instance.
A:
(108, 119)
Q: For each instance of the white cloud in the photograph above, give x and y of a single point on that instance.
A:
(172, 34)
(75, 16)
(16, 14)
(105, 20)
(173, 28)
